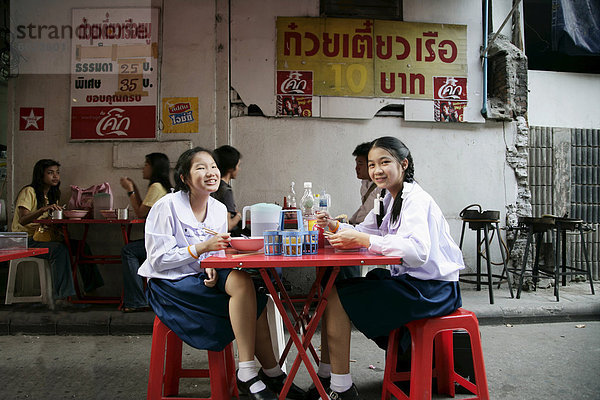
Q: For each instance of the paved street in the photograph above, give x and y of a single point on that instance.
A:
(535, 362)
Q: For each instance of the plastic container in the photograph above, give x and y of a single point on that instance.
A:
(273, 242)
(308, 206)
(102, 201)
(13, 241)
(263, 217)
(292, 243)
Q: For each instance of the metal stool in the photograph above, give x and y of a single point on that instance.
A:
(423, 333)
(535, 229)
(45, 281)
(561, 269)
(486, 225)
(166, 368)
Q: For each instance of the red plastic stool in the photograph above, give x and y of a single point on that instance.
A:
(423, 333)
(166, 370)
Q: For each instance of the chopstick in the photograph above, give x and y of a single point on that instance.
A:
(246, 254)
(208, 230)
(327, 233)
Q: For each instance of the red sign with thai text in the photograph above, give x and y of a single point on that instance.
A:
(113, 123)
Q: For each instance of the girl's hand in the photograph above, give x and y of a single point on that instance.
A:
(212, 277)
(349, 239)
(51, 208)
(126, 183)
(215, 243)
(324, 220)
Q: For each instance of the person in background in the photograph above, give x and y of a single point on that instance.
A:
(156, 171)
(206, 307)
(228, 161)
(410, 225)
(368, 188)
(36, 201)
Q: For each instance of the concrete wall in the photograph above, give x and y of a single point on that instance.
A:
(564, 100)
(458, 164)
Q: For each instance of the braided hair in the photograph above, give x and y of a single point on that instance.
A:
(400, 152)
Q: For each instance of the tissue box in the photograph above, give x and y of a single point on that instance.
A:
(13, 240)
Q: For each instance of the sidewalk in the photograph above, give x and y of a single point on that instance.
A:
(576, 304)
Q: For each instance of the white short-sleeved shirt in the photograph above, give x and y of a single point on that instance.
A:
(421, 236)
(170, 228)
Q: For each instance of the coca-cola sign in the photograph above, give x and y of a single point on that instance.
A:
(295, 82)
(449, 88)
(113, 123)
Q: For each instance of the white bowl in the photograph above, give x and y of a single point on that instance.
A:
(247, 244)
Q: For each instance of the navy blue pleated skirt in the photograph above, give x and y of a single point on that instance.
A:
(380, 303)
(199, 315)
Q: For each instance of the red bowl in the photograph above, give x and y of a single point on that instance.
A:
(247, 244)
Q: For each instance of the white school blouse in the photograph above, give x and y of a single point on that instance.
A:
(420, 236)
(170, 228)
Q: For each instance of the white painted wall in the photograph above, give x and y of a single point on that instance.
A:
(564, 100)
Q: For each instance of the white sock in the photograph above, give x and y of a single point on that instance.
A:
(247, 371)
(324, 370)
(340, 383)
(273, 372)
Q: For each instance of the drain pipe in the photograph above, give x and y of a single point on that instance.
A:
(484, 55)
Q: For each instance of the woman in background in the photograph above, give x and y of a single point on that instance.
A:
(36, 201)
(133, 254)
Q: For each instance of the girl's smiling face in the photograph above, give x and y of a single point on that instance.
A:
(204, 174)
(52, 176)
(386, 171)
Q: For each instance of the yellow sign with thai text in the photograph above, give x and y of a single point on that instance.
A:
(371, 58)
(180, 114)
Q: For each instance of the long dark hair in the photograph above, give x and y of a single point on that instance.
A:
(159, 162)
(400, 152)
(184, 163)
(37, 183)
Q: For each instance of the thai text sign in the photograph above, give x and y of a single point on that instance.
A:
(114, 73)
(371, 58)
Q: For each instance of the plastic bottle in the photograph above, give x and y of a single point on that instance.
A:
(308, 205)
(291, 197)
(324, 201)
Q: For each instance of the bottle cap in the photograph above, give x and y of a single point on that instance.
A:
(307, 185)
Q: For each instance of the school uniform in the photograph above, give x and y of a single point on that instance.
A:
(424, 285)
(199, 315)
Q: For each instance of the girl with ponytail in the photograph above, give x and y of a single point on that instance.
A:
(408, 224)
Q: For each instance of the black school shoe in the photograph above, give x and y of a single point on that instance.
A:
(275, 384)
(312, 393)
(244, 389)
(350, 394)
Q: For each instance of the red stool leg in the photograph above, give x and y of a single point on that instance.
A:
(444, 363)
(157, 360)
(173, 364)
(391, 359)
(230, 369)
(422, 354)
(478, 364)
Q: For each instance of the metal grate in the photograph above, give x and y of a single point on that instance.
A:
(584, 184)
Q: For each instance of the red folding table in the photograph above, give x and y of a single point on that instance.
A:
(78, 255)
(304, 323)
(11, 254)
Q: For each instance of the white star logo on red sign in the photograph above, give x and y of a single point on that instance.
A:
(32, 120)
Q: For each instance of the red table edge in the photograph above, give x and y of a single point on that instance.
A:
(30, 252)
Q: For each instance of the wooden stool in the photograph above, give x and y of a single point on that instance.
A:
(45, 281)
(166, 368)
(423, 333)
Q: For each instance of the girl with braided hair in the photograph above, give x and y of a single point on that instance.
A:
(408, 224)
